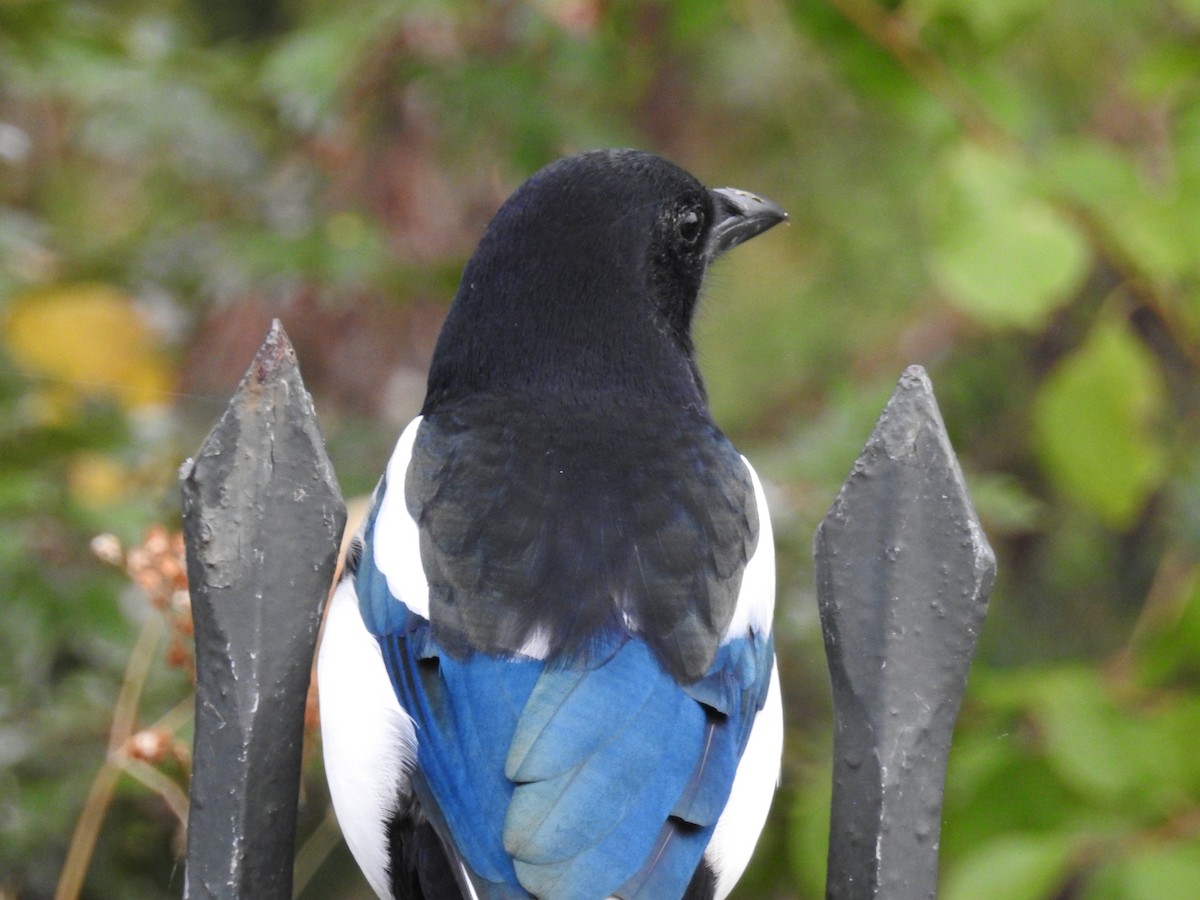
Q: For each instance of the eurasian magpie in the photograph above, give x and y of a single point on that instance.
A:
(548, 669)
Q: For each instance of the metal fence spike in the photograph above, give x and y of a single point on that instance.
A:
(904, 573)
(262, 517)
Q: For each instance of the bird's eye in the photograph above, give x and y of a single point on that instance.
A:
(690, 226)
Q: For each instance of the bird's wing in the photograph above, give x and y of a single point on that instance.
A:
(621, 774)
(605, 774)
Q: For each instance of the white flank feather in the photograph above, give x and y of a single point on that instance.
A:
(742, 820)
(370, 743)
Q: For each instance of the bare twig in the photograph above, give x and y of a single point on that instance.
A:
(315, 851)
(895, 34)
(161, 784)
(95, 808)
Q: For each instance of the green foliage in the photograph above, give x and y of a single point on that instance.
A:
(985, 218)
(1095, 421)
(1149, 873)
(1014, 867)
(1007, 192)
(1105, 767)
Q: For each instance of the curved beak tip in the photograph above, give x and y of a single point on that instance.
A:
(740, 215)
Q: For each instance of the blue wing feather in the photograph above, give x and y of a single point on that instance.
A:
(463, 711)
(732, 693)
(670, 866)
(573, 713)
(704, 796)
(598, 806)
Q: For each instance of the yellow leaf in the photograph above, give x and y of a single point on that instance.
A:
(91, 340)
(96, 480)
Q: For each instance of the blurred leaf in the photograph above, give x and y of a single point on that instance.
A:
(1161, 230)
(697, 20)
(96, 480)
(307, 69)
(990, 21)
(1170, 766)
(999, 781)
(1169, 646)
(1192, 7)
(1166, 71)
(1009, 103)
(1087, 170)
(1177, 725)
(1092, 744)
(1094, 421)
(1004, 504)
(1002, 254)
(998, 784)
(1155, 221)
(89, 340)
(1016, 867)
(1149, 873)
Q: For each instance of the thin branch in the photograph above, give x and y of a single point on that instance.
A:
(315, 851)
(896, 36)
(172, 794)
(176, 717)
(95, 807)
(1143, 287)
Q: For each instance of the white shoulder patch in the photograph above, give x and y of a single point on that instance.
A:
(369, 742)
(756, 598)
(397, 544)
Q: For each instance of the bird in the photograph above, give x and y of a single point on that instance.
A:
(548, 667)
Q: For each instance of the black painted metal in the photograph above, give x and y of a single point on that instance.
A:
(263, 517)
(904, 573)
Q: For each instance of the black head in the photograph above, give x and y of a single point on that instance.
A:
(587, 280)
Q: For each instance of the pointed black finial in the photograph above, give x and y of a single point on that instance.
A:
(263, 518)
(904, 573)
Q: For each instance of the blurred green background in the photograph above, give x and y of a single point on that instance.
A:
(1005, 191)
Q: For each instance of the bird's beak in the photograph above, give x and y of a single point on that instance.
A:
(739, 216)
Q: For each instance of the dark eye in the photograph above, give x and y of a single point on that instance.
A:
(691, 223)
